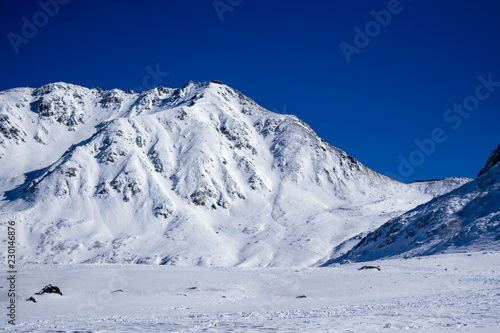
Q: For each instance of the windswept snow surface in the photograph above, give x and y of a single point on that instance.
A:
(199, 175)
(456, 292)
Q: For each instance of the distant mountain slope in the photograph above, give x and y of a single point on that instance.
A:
(467, 218)
(199, 175)
(439, 187)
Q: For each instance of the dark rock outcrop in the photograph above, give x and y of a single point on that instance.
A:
(492, 161)
(50, 289)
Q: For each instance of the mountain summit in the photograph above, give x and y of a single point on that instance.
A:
(199, 175)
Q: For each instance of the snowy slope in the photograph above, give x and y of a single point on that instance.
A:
(439, 187)
(199, 175)
(465, 219)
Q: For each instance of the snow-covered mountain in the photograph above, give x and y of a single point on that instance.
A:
(199, 175)
(466, 219)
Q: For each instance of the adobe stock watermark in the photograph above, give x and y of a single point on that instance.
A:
(223, 6)
(30, 28)
(454, 117)
(152, 79)
(90, 306)
(372, 29)
(282, 111)
(292, 284)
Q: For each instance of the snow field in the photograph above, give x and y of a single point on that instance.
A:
(454, 292)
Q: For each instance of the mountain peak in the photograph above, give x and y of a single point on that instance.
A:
(201, 174)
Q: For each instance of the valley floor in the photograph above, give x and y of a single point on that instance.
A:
(452, 292)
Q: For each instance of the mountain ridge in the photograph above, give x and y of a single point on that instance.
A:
(199, 175)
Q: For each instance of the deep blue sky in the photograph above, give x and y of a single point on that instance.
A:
(285, 55)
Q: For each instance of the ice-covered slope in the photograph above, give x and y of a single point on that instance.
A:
(194, 176)
(465, 219)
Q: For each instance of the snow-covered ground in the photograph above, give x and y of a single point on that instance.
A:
(455, 292)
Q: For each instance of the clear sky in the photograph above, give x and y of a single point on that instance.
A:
(378, 79)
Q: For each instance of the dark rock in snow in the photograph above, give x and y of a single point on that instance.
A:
(50, 289)
(370, 267)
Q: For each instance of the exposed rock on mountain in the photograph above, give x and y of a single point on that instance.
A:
(492, 161)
